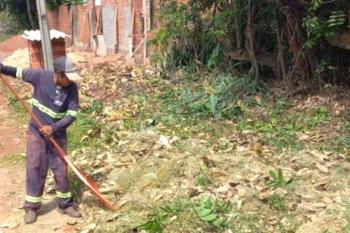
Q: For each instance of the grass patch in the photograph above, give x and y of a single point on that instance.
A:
(282, 128)
(11, 160)
(341, 143)
(21, 115)
(89, 129)
(76, 185)
(184, 215)
(203, 180)
(248, 222)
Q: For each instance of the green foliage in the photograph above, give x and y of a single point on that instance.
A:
(199, 35)
(211, 212)
(208, 212)
(203, 180)
(190, 34)
(217, 98)
(340, 143)
(281, 129)
(53, 4)
(320, 26)
(76, 185)
(277, 180)
(312, 119)
(156, 222)
(12, 19)
(87, 128)
(276, 202)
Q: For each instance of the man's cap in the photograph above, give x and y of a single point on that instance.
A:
(66, 65)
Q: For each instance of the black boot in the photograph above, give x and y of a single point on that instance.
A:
(71, 211)
(30, 216)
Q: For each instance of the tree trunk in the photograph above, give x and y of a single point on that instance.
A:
(237, 26)
(250, 44)
(281, 60)
(29, 13)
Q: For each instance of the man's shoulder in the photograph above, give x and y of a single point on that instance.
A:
(38, 71)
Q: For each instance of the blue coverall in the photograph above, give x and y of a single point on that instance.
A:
(58, 108)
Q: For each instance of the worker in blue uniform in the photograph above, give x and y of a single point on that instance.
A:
(55, 102)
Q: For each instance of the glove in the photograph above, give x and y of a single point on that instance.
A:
(1, 67)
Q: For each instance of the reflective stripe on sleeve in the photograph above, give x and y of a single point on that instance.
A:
(72, 113)
(19, 73)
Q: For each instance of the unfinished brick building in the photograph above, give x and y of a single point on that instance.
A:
(123, 24)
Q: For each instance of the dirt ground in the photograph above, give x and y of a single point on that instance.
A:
(12, 178)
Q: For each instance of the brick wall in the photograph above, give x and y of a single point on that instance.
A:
(61, 19)
(35, 52)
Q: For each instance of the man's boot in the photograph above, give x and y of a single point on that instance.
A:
(30, 216)
(71, 211)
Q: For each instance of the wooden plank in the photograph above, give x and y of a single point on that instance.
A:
(109, 20)
(138, 47)
(91, 23)
(147, 14)
(126, 12)
(101, 49)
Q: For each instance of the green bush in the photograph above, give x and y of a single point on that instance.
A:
(218, 97)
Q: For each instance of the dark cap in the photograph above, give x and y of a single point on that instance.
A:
(65, 64)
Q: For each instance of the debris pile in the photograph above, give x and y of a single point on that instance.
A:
(110, 82)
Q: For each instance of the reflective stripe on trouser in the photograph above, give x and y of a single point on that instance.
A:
(40, 157)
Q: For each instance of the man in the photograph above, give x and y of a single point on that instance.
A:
(55, 102)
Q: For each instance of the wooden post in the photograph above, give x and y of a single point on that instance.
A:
(131, 33)
(147, 22)
(75, 29)
(45, 34)
(92, 25)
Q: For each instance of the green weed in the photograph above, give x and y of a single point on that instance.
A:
(340, 143)
(277, 180)
(215, 98)
(314, 118)
(87, 128)
(280, 107)
(212, 213)
(276, 202)
(188, 215)
(203, 180)
(156, 222)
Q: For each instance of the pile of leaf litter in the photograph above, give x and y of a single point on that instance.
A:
(168, 183)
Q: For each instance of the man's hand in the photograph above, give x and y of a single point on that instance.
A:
(46, 130)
